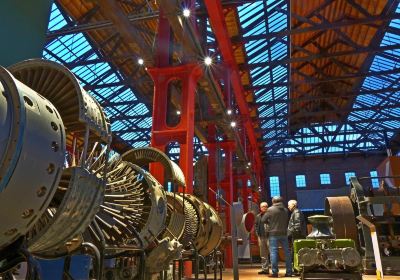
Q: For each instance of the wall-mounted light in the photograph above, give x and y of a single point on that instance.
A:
(178, 112)
(229, 112)
(233, 124)
(140, 61)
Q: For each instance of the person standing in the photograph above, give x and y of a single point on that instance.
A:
(297, 227)
(260, 228)
(277, 219)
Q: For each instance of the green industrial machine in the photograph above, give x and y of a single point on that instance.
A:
(323, 256)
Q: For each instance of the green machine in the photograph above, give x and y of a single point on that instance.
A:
(321, 255)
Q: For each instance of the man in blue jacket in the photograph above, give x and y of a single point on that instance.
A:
(277, 219)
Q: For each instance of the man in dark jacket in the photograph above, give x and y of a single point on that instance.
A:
(260, 228)
(297, 228)
(277, 218)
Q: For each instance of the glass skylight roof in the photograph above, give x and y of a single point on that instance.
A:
(366, 126)
(130, 119)
(375, 112)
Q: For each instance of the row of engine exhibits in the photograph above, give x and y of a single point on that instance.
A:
(61, 192)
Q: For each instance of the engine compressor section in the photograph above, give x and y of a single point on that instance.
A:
(61, 193)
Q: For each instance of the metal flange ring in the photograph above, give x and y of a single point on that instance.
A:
(30, 166)
(344, 221)
(144, 156)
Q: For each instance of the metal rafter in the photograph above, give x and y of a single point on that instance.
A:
(217, 22)
(310, 53)
(265, 35)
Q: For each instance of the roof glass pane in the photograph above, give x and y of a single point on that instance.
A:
(106, 83)
(375, 109)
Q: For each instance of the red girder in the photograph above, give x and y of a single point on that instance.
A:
(217, 22)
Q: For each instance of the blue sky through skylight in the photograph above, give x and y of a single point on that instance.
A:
(70, 48)
(264, 17)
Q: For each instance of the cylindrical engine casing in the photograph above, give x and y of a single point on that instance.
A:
(58, 84)
(33, 140)
(215, 233)
(88, 137)
(84, 193)
(182, 219)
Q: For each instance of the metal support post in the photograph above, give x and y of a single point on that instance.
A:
(234, 246)
(234, 255)
(227, 186)
(212, 168)
(245, 196)
(183, 132)
(375, 246)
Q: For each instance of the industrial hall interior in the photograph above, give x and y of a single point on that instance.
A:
(199, 139)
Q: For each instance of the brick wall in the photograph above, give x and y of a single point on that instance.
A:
(312, 167)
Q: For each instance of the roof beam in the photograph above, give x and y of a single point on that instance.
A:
(145, 132)
(351, 122)
(329, 79)
(106, 85)
(342, 95)
(388, 10)
(132, 37)
(84, 26)
(320, 27)
(129, 118)
(320, 55)
(98, 25)
(217, 22)
(106, 103)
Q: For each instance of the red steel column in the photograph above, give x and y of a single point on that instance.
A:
(245, 194)
(161, 59)
(218, 24)
(183, 132)
(244, 178)
(245, 197)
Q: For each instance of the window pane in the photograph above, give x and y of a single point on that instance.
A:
(274, 186)
(301, 181)
(347, 176)
(374, 181)
(325, 179)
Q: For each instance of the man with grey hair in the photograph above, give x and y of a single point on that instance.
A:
(277, 218)
(260, 229)
(297, 227)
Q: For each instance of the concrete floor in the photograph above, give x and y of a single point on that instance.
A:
(247, 272)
